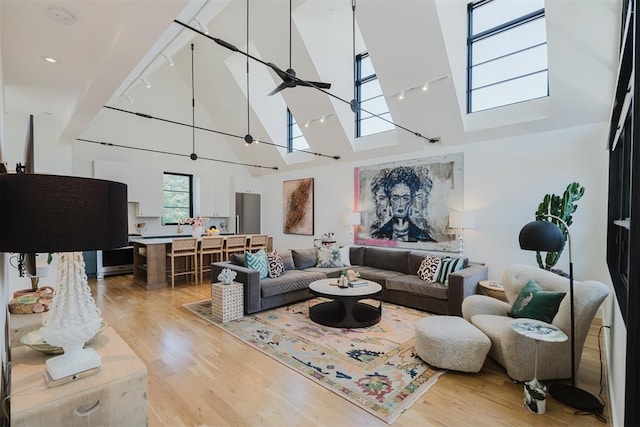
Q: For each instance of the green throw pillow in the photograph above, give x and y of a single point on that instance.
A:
(258, 261)
(535, 303)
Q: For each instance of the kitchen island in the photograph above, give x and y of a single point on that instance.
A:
(150, 260)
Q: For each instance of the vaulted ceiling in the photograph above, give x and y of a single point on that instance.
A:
(112, 43)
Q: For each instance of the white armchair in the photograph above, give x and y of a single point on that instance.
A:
(516, 352)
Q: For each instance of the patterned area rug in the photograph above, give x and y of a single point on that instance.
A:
(375, 367)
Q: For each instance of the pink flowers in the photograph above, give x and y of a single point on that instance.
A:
(197, 221)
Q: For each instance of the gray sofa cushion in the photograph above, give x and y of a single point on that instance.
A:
(416, 285)
(304, 258)
(287, 259)
(356, 255)
(377, 275)
(237, 259)
(291, 280)
(385, 259)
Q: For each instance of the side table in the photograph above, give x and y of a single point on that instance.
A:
(493, 289)
(116, 395)
(227, 302)
(535, 393)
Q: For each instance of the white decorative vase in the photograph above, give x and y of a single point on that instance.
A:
(197, 231)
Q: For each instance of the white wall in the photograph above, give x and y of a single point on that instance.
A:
(504, 181)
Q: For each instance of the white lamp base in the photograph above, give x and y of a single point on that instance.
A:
(73, 362)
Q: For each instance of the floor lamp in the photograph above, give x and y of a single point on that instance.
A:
(545, 236)
(67, 215)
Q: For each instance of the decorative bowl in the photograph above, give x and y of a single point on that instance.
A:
(35, 341)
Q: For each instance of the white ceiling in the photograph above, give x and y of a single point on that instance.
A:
(113, 42)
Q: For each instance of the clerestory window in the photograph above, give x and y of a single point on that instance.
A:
(295, 137)
(507, 53)
(370, 98)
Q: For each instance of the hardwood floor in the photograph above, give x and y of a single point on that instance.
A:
(201, 376)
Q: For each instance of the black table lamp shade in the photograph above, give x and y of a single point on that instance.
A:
(52, 213)
(542, 236)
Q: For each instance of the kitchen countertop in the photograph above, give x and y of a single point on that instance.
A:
(159, 240)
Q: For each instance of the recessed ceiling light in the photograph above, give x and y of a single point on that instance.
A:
(51, 59)
(60, 15)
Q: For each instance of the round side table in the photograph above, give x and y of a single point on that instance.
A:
(493, 288)
(535, 393)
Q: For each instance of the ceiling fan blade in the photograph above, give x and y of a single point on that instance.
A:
(321, 85)
(278, 89)
(278, 71)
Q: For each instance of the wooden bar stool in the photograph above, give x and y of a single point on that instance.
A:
(235, 244)
(186, 248)
(257, 242)
(211, 246)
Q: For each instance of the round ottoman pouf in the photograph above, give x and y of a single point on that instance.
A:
(450, 342)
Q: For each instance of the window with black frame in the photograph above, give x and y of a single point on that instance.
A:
(370, 98)
(177, 197)
(506, 53)
(295, 137)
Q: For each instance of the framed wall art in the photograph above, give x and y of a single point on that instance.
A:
(298, 206)
(407, 203)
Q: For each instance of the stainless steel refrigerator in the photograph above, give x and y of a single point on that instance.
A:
(247, 213)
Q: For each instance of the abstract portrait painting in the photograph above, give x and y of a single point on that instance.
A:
(407, 203)
(298, 206)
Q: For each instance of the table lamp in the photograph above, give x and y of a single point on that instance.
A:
(461, 220)
(353, 219)
(545, 236)
(63, 214)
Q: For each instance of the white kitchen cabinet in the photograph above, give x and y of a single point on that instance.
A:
(247, 184)
(144, 186)
(148, 185)
(215, 193)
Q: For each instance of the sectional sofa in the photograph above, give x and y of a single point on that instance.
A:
(396, 270)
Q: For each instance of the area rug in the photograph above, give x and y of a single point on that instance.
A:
(375, 367)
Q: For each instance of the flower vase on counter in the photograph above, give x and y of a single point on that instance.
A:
(197, 231)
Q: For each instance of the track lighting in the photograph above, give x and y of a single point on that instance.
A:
(322, 119)
(128, 98)
(401, 96)
(168, 59)
(425, 87)
(146, 82)
(202, 27)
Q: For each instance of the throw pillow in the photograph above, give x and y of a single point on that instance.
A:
(257, 261)
(535, 303)
(447, 266)
(329, 256)
(428, 270)
(276, 264)
(345, 257)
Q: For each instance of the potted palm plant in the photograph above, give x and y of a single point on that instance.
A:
(563, 207)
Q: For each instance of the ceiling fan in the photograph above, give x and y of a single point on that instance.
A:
(289, 77)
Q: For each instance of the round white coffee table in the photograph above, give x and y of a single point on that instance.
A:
(345, 310)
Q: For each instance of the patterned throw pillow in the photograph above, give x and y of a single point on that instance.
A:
(535, 303)
(428, 270)
(276, 264)
(257, 261)
(447, 266)
(329, 256)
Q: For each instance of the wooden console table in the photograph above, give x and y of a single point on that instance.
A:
(116, 395)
